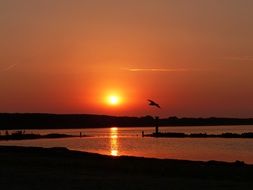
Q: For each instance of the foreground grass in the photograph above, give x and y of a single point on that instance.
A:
(59, 168)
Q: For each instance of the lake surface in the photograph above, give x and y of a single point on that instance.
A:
(128, 141)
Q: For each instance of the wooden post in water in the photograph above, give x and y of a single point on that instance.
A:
(156, 125)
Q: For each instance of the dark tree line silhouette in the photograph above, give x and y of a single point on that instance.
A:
(54, 121)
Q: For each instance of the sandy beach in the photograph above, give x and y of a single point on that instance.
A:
(60, 168)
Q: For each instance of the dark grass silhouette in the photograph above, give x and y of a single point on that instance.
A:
(59, 168)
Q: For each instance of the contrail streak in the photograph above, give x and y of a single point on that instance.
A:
(8, 68)
(155, 70)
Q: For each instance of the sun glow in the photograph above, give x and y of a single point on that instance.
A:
(113, 100)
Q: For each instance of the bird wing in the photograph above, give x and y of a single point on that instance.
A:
(151, 101)
(154, 103)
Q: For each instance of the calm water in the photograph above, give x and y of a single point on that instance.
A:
(128, 141)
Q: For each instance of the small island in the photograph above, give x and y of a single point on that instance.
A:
(198, 135)
(21, 135)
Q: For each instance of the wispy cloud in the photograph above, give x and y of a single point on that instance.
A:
(8, 68)
(239, 58)
(155, 70)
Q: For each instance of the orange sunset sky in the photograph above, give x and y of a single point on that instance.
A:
(194, 57)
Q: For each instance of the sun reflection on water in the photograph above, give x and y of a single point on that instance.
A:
(114, 141)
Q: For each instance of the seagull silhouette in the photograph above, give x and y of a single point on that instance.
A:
(152, 103)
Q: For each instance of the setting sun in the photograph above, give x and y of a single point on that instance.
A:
(113, 100)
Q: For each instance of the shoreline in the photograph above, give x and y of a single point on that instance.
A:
(61, 150)
(51, 168)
